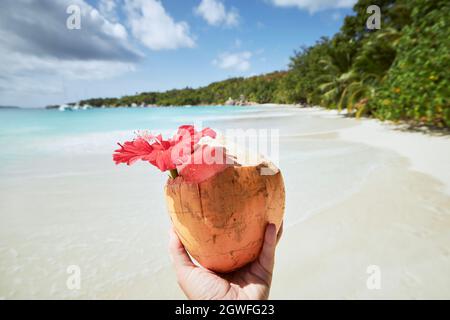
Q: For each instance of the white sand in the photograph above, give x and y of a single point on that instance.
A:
(425, 153)
(399, 221)
(359, 193)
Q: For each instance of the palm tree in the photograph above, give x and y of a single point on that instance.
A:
(354, 84)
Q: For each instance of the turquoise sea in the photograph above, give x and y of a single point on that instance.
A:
(26, 133)
(31, 133)
(42, 122)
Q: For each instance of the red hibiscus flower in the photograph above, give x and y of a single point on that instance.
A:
(170, 154)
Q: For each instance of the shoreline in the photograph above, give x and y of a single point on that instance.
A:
(401, 125)
(398, 220)
(426, 153)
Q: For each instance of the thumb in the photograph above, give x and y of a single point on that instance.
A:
(178, 253)
(267, 256)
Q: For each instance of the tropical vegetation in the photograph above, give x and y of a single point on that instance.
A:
(399, 72)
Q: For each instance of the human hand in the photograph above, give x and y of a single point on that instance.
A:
(252, 282)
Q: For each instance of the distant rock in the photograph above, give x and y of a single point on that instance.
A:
(230, 102)
(241, 102)
(53, 106)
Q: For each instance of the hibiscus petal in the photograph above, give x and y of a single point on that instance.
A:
(131, 151)
(204, 163)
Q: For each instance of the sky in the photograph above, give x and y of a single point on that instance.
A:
(121, 47)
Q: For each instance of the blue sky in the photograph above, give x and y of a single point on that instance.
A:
(129, 46)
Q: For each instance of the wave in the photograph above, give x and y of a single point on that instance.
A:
(259, 115)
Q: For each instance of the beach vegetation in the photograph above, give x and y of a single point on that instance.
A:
(398, 72)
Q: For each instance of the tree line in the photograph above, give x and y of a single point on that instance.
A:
(399, 72)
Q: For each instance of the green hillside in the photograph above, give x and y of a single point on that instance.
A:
(399, 72)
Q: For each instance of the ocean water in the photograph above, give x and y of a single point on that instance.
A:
(63, 202)
(25, 122)
(28, 133)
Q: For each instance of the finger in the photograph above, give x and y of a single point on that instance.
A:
(280, 232)
(178, 253)
(267, 256)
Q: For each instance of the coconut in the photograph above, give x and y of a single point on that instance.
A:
(221, 221)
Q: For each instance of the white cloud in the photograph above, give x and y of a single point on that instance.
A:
(215, 13)
(154, 27)
(40, 29)
(112, 29)
(315, 5)
(32, 74)
(108, 9)
(39, 53)
(238, 61)
(29, 80)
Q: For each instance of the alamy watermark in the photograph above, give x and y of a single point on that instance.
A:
(374, 20)
(73, 21)
(251, 146)
(73, 281)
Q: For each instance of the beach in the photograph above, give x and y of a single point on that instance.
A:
(359, 193)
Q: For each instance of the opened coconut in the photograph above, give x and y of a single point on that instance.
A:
(220, 210)
(221, 220)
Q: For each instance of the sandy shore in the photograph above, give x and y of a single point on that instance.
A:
(399, 221)
(359, 193)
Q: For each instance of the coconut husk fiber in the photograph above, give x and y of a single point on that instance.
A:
(221, 221)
